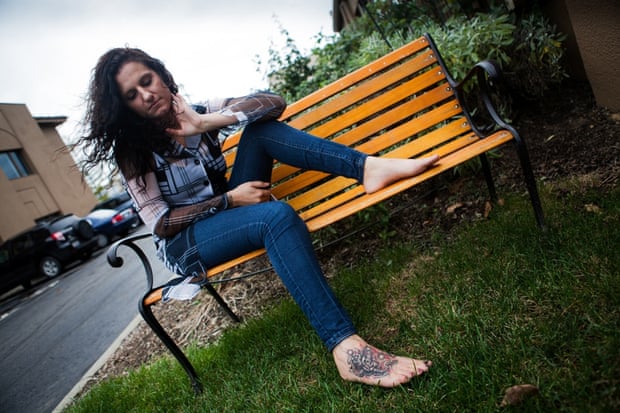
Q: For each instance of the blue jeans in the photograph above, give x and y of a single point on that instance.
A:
(276, 227)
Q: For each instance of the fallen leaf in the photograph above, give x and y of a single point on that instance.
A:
(487, 209)
(453, 207)
(593, 208)
(516, 394)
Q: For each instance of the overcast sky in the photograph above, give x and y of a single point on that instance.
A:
(49, 47)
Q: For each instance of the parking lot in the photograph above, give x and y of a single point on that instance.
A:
(53, 333)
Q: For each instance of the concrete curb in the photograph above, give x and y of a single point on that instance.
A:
(97, 365)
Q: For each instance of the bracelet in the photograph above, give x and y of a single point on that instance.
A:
(229, 200)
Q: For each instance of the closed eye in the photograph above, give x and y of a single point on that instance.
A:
(144, 81)
(131, 95)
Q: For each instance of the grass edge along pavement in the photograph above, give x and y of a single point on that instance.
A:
(498, 304)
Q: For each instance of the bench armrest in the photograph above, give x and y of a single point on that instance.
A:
(116, 261)
(487, 75)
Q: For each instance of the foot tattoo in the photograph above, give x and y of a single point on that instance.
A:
(369, 362)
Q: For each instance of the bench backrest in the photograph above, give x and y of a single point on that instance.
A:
(398, 106)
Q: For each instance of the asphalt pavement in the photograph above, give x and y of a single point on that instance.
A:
(53, 334)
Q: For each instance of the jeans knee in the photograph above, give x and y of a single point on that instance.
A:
(283, 217)
(284, 212)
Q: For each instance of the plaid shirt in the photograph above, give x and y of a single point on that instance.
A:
(189, 184)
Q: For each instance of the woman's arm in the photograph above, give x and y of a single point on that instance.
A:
(253, 108)
(177, 219)
(191, 122)
(160, 218)
(166, 221)
(258, 107)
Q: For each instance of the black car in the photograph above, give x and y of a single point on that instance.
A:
(44, 250)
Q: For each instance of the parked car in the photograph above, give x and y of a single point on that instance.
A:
(109, 224)
(118, 202)
(44, 250)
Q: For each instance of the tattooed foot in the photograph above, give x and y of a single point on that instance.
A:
(359, 362)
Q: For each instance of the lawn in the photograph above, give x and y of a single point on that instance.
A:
(499, 303)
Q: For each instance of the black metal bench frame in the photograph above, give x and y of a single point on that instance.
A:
(486, 73)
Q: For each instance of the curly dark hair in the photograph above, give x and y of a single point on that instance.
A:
(115, 134)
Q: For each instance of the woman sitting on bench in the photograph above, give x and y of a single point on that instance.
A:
(170, 157)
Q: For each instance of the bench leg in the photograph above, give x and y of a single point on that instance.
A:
(221, 302)
(530, 181)
(486, 169)
(147, 315)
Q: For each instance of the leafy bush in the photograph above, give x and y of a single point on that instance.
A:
(529, 50)
(537, 54)
(464, 42)
(292, 69)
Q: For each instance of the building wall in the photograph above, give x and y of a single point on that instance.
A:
(557, 13)
(596, 26)
(55, 185)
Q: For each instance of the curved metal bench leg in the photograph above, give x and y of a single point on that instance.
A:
(149, 317)
(486, 169)
(221, 302)
(530, 182)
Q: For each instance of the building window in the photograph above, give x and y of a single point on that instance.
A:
(13, 165)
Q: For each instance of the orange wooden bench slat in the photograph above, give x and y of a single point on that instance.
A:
(324, 195)
(321, 192)
(408, 150)
(334, 201)
(375, 105)
(392, 116)
(374, 146)
(368, 88)
(356, 76)
(361, 132)
(328, 190)
(153, 297)
(351, 193)
(448, 161)
(362, 202)
(234, 262)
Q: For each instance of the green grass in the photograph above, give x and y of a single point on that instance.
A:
(501, 303)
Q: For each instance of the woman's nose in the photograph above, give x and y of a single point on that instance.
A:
(146, 95)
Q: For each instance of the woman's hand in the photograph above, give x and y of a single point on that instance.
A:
(191, 122)
(249, 193)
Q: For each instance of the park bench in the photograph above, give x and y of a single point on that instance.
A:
(404, 104)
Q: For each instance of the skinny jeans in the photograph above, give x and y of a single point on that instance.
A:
(276, 226)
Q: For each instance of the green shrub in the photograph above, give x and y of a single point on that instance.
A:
(537, 54)
(464, 42)
(528, 50)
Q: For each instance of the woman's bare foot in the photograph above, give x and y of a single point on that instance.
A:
(380, 172)
(358, 361)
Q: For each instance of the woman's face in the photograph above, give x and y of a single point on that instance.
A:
(143, 91)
